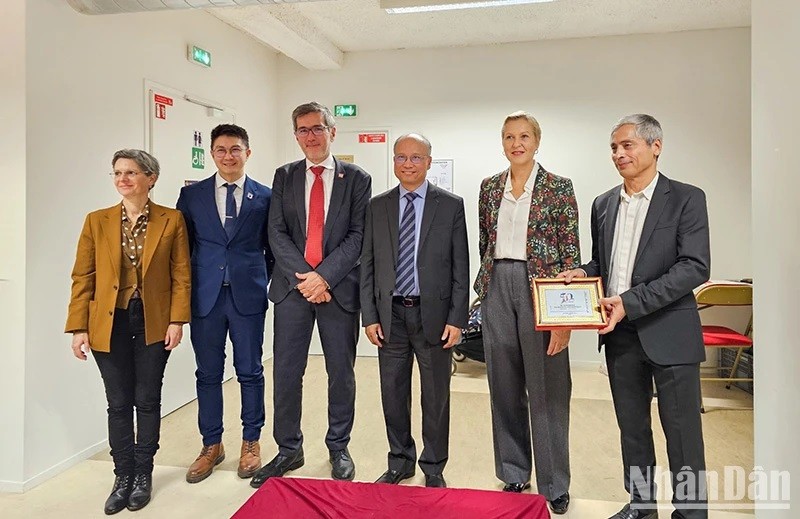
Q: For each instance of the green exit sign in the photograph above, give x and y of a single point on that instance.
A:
(345, 110)
(199, 56)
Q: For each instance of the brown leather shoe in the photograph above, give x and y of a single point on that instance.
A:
(249, 459)
(210, 456)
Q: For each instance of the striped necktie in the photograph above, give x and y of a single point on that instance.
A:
(404, 272)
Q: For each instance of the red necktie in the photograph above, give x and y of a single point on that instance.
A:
(316, 219)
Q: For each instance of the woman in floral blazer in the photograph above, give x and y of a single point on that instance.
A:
(528, 228)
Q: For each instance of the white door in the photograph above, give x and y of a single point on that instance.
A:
(178, 134)
(371, 150)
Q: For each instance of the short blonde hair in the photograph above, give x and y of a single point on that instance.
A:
(521, 114)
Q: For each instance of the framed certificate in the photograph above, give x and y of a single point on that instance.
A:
(557, 305)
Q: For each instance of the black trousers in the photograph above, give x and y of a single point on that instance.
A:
(132, 374)
(396, 360)
(632, 374)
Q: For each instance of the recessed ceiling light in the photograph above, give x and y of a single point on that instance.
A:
(408, 6)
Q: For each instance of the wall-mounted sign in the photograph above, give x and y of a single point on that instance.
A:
(441, 173)
(161, 104)
(369, 138)
(199, 56)
(345, 158)
(345, 110)
(198, 158)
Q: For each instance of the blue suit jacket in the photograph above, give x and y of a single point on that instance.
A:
(341, 238)
(247, 254)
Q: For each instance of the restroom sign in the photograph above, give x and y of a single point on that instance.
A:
(369, 138)
(198, 158)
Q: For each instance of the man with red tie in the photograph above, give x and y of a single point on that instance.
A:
(316, 226)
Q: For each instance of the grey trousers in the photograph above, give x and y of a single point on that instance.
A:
(529, 390)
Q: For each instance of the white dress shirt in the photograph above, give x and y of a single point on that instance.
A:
(627, 233)
(327, 183)
(221, 195)
(512, 220)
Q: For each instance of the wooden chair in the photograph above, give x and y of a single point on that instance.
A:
(740, 294)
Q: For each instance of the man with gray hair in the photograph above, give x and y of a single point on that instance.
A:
(316, 226)
(651, 248)
(414, 298)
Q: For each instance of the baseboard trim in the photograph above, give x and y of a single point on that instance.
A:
(19, 487)
(11, 487)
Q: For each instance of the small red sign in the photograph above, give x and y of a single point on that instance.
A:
(164, 100)
(161, 111)
(371, 137)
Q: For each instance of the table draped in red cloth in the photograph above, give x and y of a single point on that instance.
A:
(300, 498)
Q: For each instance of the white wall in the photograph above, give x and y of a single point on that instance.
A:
(85, 99)
(696, 83)
(776, 248)
(12, 236)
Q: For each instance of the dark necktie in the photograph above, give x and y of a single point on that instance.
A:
(230, 210)
(230, 222)
(316, 219)
(404, 273)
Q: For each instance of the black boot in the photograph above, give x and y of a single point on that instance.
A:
(140, 493)
(119, 495)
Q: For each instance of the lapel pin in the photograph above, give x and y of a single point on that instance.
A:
(249, 196)
(341, 175)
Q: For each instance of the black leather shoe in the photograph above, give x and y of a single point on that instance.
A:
(141, 492)
(560, 504)
(516, 487)
(342, 466)
(393, 477)
(279, 466)
(119, 495)
(435, 481)
(633, 513)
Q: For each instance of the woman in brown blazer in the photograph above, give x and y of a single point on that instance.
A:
(130, 298)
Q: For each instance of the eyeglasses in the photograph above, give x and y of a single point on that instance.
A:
(415, 159)
(316, 130)
(220, 153)
(116, 175)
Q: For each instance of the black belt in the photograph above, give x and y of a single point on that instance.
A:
(408, 302)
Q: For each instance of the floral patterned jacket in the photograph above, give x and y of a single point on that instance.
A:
(553, 244)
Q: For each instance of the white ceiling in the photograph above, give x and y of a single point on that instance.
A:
(316, 34)
(334, 27)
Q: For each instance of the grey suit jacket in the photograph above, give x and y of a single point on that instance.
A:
(442, 262)
(341, 238)
(672, 259)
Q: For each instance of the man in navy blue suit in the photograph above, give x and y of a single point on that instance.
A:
(316, 226)
(226, 218)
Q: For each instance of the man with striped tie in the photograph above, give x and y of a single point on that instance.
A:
(414, 302)
(316, 226)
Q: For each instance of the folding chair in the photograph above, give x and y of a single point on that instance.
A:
(714, 336)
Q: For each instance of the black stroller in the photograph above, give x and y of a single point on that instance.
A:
(471, 345)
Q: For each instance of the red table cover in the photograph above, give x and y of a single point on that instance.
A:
(302, 498)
